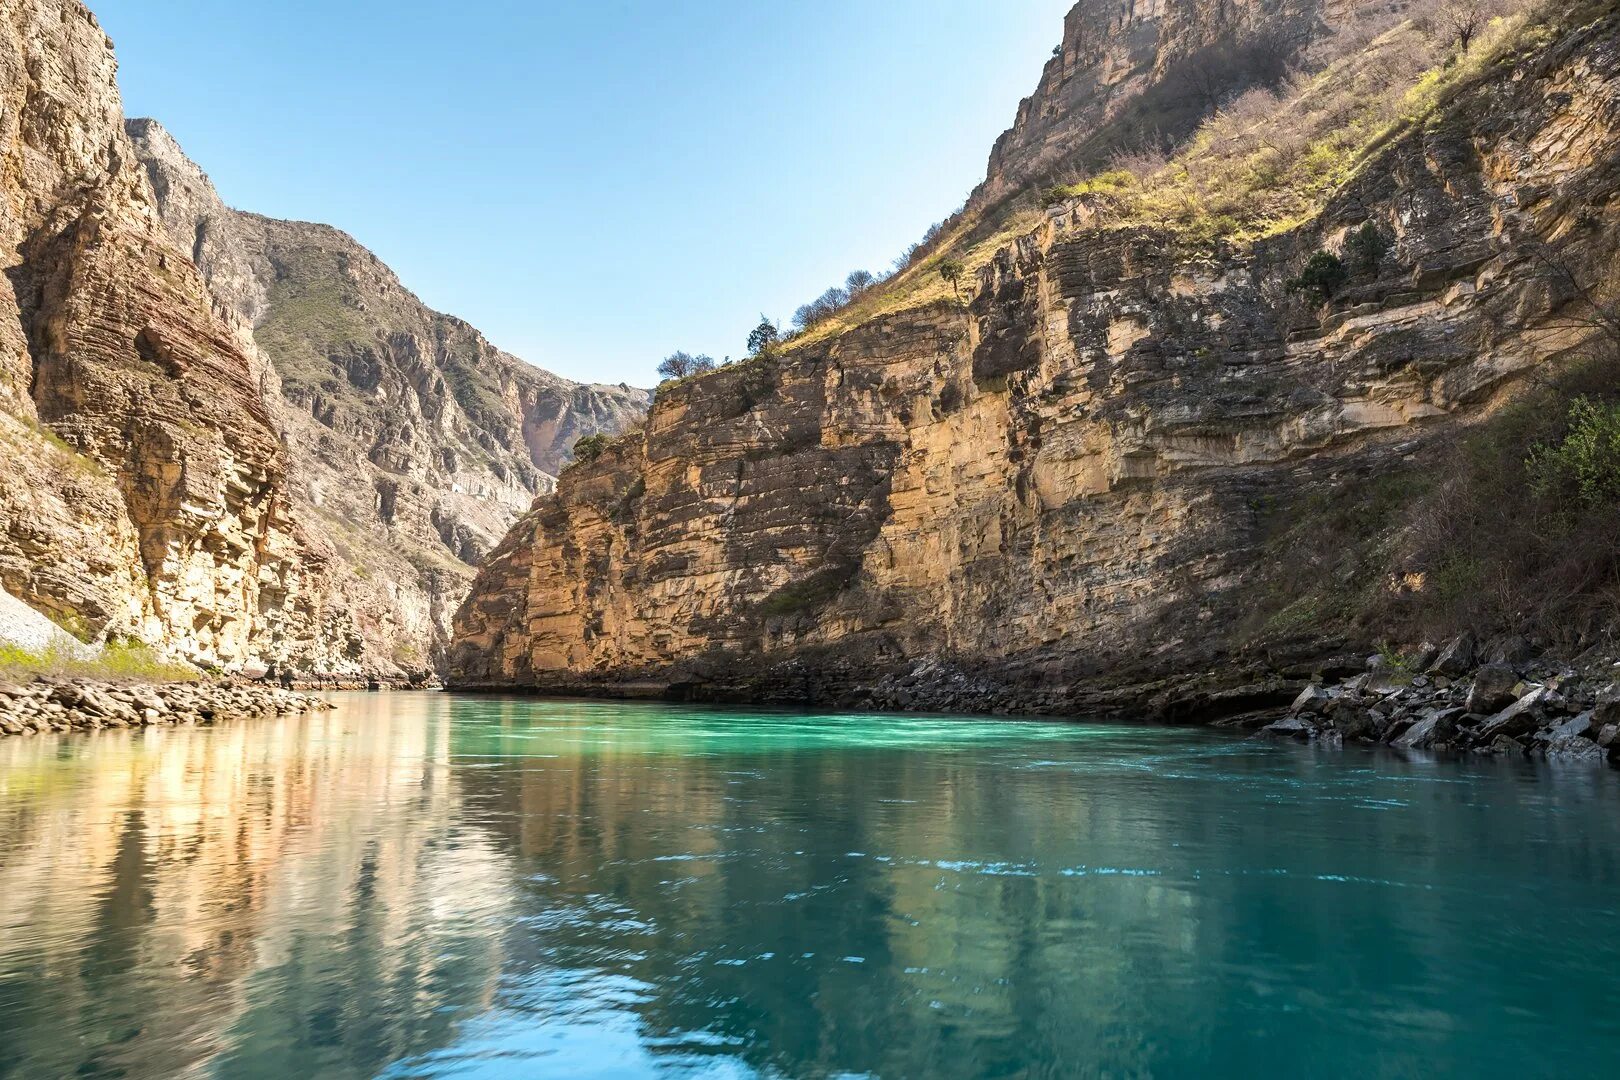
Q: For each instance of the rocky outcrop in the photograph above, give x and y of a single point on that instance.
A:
(52, 705)
(1539, 708)
(1135, 73)
(145, 490)
(281, 461)
(1056, 497)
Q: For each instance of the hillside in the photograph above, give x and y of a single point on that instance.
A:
(1148, 453)
(237, 440)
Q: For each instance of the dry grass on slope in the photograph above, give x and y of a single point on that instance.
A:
(1265, 163)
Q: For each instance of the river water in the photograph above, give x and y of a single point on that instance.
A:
(433, 886)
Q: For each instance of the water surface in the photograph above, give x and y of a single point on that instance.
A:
(430, 886)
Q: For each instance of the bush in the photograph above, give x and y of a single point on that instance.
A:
(1585, 464)
(681, 365)
(590, 448)
(1321, 279)
(1364, 250)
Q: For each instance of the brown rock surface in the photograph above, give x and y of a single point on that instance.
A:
(1066, 486)
(233, 464)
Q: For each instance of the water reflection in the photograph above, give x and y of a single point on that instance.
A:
(421, 885)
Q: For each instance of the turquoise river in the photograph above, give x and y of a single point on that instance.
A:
(424, 885)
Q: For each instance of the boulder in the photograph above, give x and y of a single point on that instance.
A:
(1356, 724)
(1493, 689)
(1505, 746)
(1312, 700)
(1574, 748)
(1511, 651)
(1291, 727)
(1456, 657)
(1520, 718)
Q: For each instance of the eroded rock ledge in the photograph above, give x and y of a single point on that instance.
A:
(83, 705)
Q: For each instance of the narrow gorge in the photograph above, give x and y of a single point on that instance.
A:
(236, 440)
(1116, 469)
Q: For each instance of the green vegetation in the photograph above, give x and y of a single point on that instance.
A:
(1324, 275)
(116, 662)
(683, 365)
(951, 271)
(590, 448)
(1364, 250)
(1583, 466)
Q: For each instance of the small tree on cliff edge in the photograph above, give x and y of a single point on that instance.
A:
(952, 270)
(679, 365)
(763, 338)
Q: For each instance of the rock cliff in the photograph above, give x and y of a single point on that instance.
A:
(413, 443)
(280, 460)
(1058, 495)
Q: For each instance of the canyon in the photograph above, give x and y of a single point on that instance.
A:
(1063, 492)
(240, 441)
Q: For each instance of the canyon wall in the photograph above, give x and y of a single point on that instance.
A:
(413, 443)
(280, 461)
(1055, 497)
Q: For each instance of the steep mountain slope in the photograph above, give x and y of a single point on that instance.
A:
(1064, 492)
(413, 443)
(281, 461)
(145, 487)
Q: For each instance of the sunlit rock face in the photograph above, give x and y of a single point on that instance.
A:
(413, 444)
(1104, 84)
(1073, 475)
(145, 489)
(281, 461)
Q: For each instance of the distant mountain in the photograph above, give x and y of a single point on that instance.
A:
(413, 443)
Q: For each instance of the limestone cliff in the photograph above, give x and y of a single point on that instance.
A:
(1063, 486)
(413, 444)
(145, 490)
(309, 502)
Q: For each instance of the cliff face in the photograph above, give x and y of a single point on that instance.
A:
(281, 460)
(1065, 485)
(413, 444)
(144, 491)
(1114, 82)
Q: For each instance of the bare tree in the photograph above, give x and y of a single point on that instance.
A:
(680, 365)
(1459, 22)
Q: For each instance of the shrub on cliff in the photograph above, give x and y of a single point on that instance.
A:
(681, 365)
(590, 448)
(1324, 275)
(1364, 250)
(1584, 466)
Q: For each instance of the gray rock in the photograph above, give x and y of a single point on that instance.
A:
(1291, 727)
(1520, 718)
(1493, 689)
(1505, 746)
(1312, 700)
(1456, 657)
(1512, 651)
(1574, 748)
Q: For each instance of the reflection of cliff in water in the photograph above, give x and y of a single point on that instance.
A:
(329, 895)
(309, 887)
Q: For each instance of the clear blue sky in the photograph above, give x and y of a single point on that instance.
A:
(597, 183)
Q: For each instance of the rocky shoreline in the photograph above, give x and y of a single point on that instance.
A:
(51, 705)
(1463, 698)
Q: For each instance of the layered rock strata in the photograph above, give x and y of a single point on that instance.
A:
(281, 462)
(1055, 498)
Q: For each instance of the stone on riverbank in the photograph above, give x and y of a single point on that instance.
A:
(84, 705)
